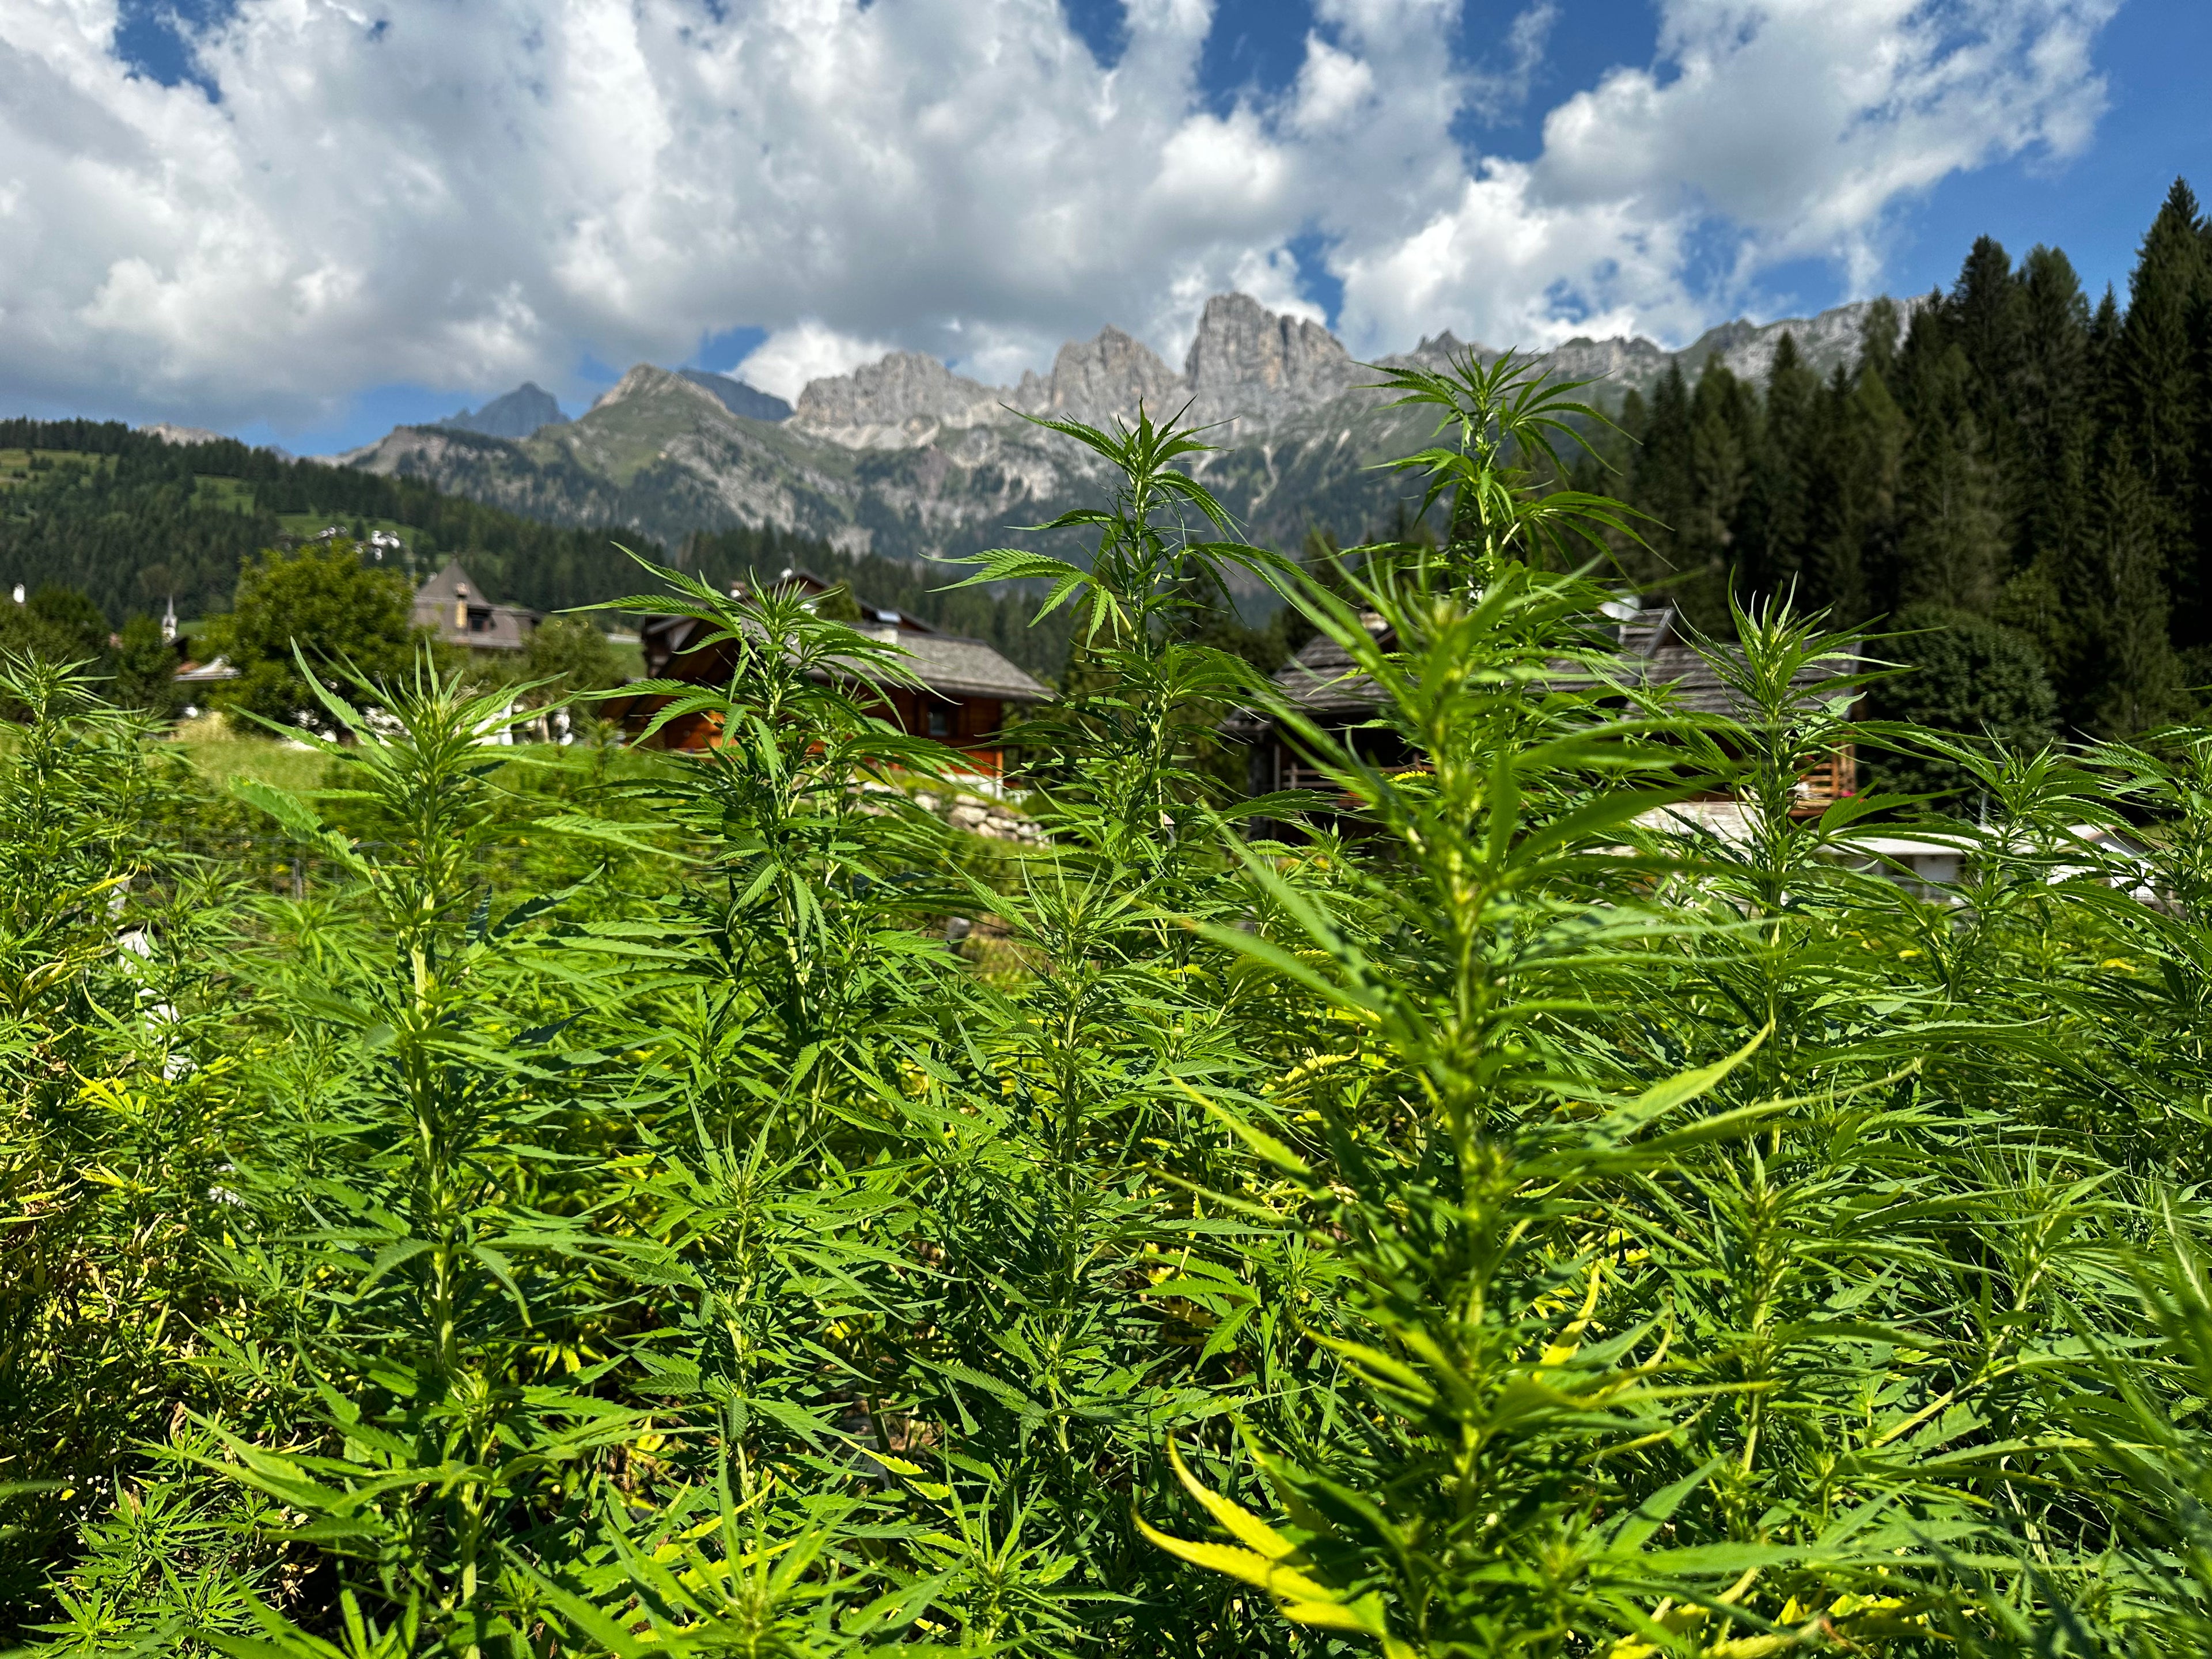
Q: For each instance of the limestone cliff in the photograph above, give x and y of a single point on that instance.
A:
(1102, 381)
(1250, 366)
(906, 399)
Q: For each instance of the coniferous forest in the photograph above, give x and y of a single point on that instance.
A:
(2016, 462)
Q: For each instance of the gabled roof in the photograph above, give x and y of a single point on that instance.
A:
(489, 627)
(947, 663)
(1654, 641)
(807, 581)
(1320, 678)
(448, 583)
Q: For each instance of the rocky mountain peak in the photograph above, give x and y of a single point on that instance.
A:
(517, 414)
(1823, 342)
(739, 396)
(169, 434)
(646, 381)
(1248, 361)
(1103, 380)
(894, 403)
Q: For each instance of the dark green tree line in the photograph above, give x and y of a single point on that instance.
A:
(133, 522)
(2001, 454)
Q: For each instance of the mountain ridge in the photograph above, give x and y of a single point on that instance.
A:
(909, 458)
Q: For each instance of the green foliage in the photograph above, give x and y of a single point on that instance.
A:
(145, 669)
(1002, 620)
(1960, 673)
(587, 1210)
(2002, 452)
(568, 656)
(54, 622)
(319, 605)
(136, 522)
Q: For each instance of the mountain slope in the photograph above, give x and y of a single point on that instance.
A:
(906, 458)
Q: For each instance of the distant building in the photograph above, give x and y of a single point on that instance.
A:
(966, 692)
(1655, 651)
(452, 605)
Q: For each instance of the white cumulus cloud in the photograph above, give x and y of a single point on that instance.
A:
(785, 362)
(464, 197)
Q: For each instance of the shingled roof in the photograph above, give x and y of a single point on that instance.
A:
(945, 663)
(1654, 646)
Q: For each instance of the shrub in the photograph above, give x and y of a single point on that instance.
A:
(1963, 675)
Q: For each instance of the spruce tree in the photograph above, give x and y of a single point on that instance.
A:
(2055, 588)
(1725, 453)
(2157, 376)
(2140, 681)
(1664, 485)
(1879, 332)
(1952, 551)
(1827, 578)
(1987, 319)
(2200, 329)
(1859, 554)
(1782, 486)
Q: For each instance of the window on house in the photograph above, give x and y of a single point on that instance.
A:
(942, 721)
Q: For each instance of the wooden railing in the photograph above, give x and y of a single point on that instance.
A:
(1833, 777)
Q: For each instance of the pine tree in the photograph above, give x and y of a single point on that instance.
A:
(1986, 316)
(1725, 450)
(2200, 329)
(2054, 589)
(1952, 552)
(2140, 682)
(1879, 331)
(1859, 557)
(1826, 579)
(2160, 393)
(1663, 485)
(1782, 486)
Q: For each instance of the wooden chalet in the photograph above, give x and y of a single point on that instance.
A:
(1320, 681)
(967, 687)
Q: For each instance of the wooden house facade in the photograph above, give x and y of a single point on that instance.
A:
(967, 690)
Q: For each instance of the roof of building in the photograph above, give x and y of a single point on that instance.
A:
(452, 605)
(945, 663)
(808, 582)
(1653, 645)
(452, 582)
(1321, 679)
(1654, 638)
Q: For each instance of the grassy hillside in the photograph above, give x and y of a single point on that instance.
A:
(133, 520)
(136, 522)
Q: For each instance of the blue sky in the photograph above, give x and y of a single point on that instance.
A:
(304, 225)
